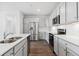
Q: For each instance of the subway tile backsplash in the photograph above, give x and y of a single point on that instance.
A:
(73, 29)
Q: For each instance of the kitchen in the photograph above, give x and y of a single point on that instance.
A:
(39, 28)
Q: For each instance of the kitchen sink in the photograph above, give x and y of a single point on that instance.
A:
(10, 40)
(15, 38)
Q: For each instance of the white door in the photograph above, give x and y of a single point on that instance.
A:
(56, 45)
(62, 47)
(71, 12)
(62, 13)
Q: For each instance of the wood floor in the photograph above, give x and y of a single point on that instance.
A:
(40, 48)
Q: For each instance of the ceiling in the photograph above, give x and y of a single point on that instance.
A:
(31, 8)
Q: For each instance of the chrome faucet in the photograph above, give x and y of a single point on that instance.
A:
(5, 35)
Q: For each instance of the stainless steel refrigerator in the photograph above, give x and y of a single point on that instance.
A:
(34, 30)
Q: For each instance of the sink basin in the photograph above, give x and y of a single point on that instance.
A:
(15, 38)
(10, 40)
(7, 41)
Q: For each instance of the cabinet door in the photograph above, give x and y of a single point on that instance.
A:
(54, 13)
(42, 35)
(58, 11)
(56, 45)
(62, 13)
(20, 52)
(9, 53)
(62, 47)
(71, 53)
(71, 12)
(78, 11)
(72, 48)
(25, 49)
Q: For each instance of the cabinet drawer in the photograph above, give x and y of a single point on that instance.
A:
(9, 53)
(73, 48)
(71, 53)
(62, 47)
(18, 46)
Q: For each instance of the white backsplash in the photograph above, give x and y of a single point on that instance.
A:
(72, 29)
(54, 30)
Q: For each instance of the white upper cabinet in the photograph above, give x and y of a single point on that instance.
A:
(62, 13)
(54, 13)
(78, 11)
(71, 12)
(57, 11)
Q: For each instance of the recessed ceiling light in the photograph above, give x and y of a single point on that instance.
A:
(38, 10)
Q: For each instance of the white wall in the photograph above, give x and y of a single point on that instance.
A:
(10, 19)
(19, 22)
(2, 24)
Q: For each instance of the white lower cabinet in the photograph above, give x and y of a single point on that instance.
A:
(56, 45)
(71, 53)
(65, 48)
(25, 49)
(41, 35)
(62, 47)
(20, 52)
(9, 53)
(22, 49)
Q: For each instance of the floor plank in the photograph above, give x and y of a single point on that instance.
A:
(40, 48)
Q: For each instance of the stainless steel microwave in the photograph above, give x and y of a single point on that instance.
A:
(56, 20)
